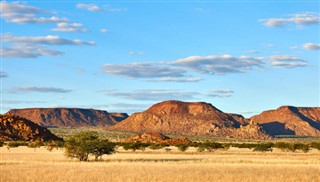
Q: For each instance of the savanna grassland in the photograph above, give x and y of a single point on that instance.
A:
(234, 164)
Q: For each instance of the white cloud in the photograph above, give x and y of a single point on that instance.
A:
(45, 40)
(267, 45)
(154, 95)
(3, 74)
(132, 53)
(253, 51)
(103, 30)
(41, 89)
(69, 27)
(287, 61)
(219, 64)
(220, 93)
(311, 46)
(143, 70)
(27, 51)
(95, 8)
(18, 12)
(169, 79)
(306, 18)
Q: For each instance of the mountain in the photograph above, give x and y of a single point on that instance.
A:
(69, 117)
(18, 128)
(158, 138)
(190, 118)
(290, 120)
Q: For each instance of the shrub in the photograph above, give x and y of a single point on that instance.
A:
(85, 143)
(182, 147)
(17, 144)
(315, 145)
(1, 143)
(155, 146)
(300, 146)
(135, 146)
(167, 149)
(283, 146)
(263, 147)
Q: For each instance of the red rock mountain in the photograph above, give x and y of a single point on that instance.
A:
(69, 117)
(190, 118)
(289, 120)
(18, 128)
(158, 138)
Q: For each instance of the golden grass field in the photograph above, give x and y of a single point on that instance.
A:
(26, 164)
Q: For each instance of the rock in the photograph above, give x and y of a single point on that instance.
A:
(13, 128)
(188, 118)
(157, 138)
(69, 117)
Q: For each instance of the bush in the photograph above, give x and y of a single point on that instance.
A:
(263, 147)
(182, 147)
(17, 144)
(315, 145)
(135, 146)
(283, 146)
(1, 143)
(300, 146)
(85, 143)
(54, 144)
(155, 146)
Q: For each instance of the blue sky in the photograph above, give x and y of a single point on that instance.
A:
(124, 56)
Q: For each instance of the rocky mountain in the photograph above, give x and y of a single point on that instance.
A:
(18, 128)
(289, 120)
(69, 117)
(190, 118)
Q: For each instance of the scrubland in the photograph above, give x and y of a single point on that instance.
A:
(234, 164)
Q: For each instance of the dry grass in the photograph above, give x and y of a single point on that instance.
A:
(24, 164)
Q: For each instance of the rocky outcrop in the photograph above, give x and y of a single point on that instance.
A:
(189, 118)
(14, 128)
(289, 120)
(157, 138)
(69, 117)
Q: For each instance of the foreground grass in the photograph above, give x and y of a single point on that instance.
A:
(24, 164)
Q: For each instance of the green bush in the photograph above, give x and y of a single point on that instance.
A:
(1, 143)
(263, 147)
(87, 143)
(283, 146)
(182, 147)
(155, 146)
(17, 144)
(135, 146)
(300, 146)
(315, 145)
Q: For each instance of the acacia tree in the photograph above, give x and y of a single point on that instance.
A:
(87, 143)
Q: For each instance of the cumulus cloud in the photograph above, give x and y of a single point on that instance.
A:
(42, 89)
(154, 95)
(143, 70)
(45, 40)
(27, 51)
(218, 65)
(311, 46)
(95, 8)
(69, 27)
(3, 74)
(220, 93)
(306, 18)
(19, 12)
(287, 61)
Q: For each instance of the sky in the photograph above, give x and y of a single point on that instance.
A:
(124, 56)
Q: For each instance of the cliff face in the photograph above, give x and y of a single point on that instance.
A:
(189, 118)
(69, 117)
(289, 120)
(18, 128)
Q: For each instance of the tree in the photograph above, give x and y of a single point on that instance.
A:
(87, 143)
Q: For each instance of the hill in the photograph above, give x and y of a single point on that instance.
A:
(290, 120)
(18, 128)
(190, 118)
(69, 117)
